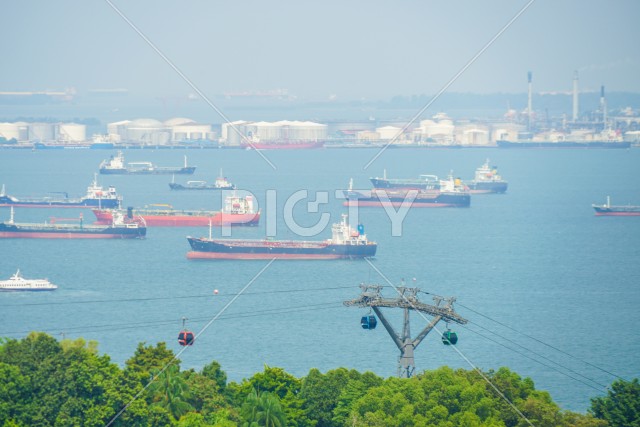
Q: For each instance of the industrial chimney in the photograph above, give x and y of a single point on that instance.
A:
(575, 96)
(603, 107)
(529, 106)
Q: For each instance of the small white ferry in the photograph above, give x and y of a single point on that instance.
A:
(19, 283)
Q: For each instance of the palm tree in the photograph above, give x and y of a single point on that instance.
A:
(168, 391)
(263, 409)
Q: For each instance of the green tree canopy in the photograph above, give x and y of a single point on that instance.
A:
(263, 409)
(169, 390)
(48, 384)
(149, 358)
(44, 382)
(283, 386)
(621, 405)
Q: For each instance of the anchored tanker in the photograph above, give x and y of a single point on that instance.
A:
(435, 194)
(221, 183)
(344, 243)
(487, 180)
(236, 211)
(96, 197)
(116, 166)
(616, 210)
(121, 228)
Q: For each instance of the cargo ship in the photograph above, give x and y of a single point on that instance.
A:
(19, 283)
(116, 166)
(448, 193)
(612, 210)
(96, 197)
(423, 182)
(575, 139)
(487, 180)
(236, 211)
(345, 243)
(221, 183)
(563, 144)
(120, 228)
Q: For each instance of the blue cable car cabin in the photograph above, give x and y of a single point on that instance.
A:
(368, 322)
(449, 338)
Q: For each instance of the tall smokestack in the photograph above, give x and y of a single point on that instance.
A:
(575, 96)
(529, 103)
(603, 107)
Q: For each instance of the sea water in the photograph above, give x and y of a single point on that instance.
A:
(549, 289)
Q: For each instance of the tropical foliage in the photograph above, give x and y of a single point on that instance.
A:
(45, 382)
(621, 406)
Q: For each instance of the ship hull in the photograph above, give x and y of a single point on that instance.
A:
(37, 231)
(258, 256)
(422, 200)
(189, 170)
(203, 187)
(178, 220)
(86, 203)
(254, 250)
(487, 187)
(563, 144)
(633, 211)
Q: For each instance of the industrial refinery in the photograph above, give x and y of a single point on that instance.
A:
(593, 124)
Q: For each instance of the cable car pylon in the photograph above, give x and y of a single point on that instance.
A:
(442, 309)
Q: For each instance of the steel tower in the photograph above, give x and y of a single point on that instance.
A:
(407, 300)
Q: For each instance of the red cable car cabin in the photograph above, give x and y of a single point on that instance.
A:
(186, 338)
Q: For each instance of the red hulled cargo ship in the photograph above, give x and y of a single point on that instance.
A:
(237, 211)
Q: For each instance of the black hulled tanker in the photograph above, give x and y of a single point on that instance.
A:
(344, 243)
(96, 197)
(441, 193)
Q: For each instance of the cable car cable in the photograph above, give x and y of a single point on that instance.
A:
(543, 343)
(536, 353)
(129, 325)
(183, 349)
(455, 348)
(603, 387)
(174, 297)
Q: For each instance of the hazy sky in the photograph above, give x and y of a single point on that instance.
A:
(349, 49)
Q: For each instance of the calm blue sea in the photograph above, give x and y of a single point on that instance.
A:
(536, 260)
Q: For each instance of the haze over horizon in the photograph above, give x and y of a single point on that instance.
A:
(333, 50)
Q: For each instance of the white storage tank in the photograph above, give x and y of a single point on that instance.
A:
(474, 135)
(389, 132)
(148, 131)
(307, 131)
(18, 131)
(72, 132)
(118, 128)
(189, 132)
(41, 131)
(265, 131)
(178, 121)
(228, 135)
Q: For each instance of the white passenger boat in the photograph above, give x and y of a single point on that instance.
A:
(19, 283)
